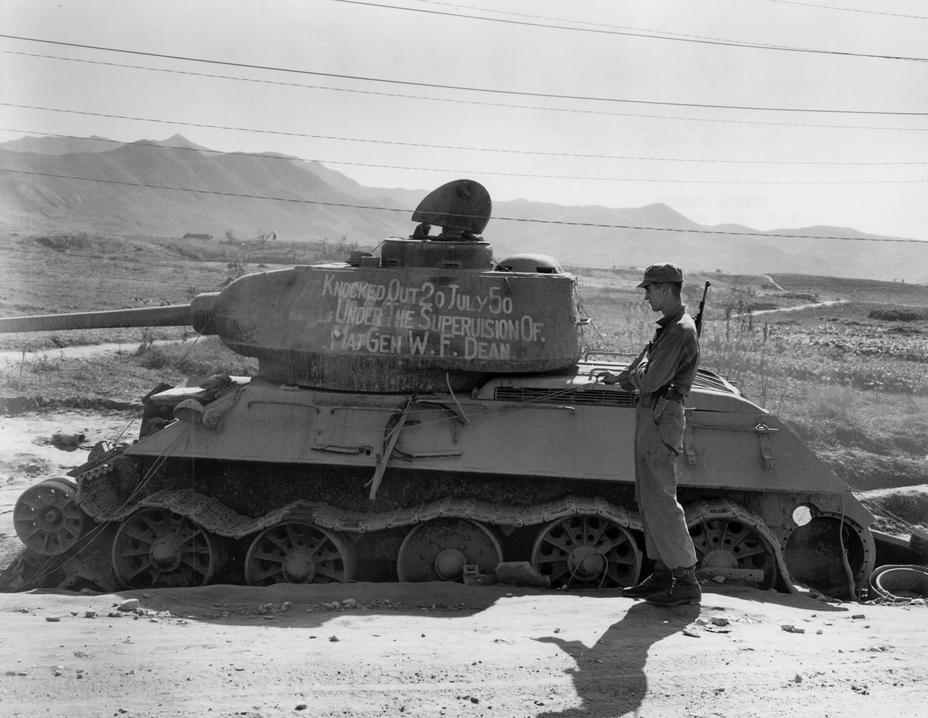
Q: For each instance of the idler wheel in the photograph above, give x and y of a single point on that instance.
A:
(296, 552)
(439, 549)
(156, 548)
(47, 517)
(586, 551)
(734, 544)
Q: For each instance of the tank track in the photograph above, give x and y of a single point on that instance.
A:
(98, 499)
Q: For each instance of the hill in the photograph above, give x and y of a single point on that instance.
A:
(174, 187)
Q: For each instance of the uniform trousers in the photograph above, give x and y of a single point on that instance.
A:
(658, 441)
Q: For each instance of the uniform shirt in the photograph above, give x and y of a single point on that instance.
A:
(670, 358)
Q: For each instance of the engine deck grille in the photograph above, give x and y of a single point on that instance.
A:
(707, 380)
(589, 396)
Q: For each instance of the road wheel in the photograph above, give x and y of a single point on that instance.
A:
(587, 551)
(439, 549)
(156, 548)
(296, 552)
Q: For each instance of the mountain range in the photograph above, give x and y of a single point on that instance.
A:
(175, 187)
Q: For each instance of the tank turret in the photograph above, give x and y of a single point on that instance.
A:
(430, 312)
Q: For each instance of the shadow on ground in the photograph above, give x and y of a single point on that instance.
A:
(610, 678)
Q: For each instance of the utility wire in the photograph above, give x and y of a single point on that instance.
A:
(643, 158)
(319, 137)
(464, 88)
(590, 178)
(569, 223)
(458, 101)
(850, 9)
(646, 35)
(574, 21)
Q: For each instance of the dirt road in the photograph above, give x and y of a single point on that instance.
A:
(440, 649)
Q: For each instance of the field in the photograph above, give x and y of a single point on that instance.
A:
(842, 360)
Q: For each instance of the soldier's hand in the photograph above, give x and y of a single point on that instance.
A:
(606, 377)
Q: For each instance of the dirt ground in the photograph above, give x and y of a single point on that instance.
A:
(441, 649)
(432, 649)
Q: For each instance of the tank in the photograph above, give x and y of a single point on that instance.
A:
(423, 413)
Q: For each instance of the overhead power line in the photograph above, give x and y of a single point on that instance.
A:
(850, 9)
(374, 141)
(646, 35)
(379, 208)
(645, 180)
(480, 103)
(576, 21)
(634, 158)
(465, 88)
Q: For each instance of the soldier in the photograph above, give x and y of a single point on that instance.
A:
(662, 375)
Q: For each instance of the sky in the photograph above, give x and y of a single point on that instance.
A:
(622, 103)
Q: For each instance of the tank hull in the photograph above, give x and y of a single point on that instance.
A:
(507, 470)
(562, 426)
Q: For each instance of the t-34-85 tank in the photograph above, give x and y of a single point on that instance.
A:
(422, 414)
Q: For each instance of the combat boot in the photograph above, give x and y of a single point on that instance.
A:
(659, 580)
(683, 589)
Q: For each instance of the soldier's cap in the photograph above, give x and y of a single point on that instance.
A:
(660, 273)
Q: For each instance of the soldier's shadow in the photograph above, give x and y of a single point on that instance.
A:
(609, 677)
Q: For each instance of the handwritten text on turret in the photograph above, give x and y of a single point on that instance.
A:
(467, 320)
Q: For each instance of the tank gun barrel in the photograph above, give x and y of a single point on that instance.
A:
(196, 315)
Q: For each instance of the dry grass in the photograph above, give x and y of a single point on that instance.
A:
(121, 378)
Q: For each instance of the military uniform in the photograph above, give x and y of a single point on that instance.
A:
(662, 374)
